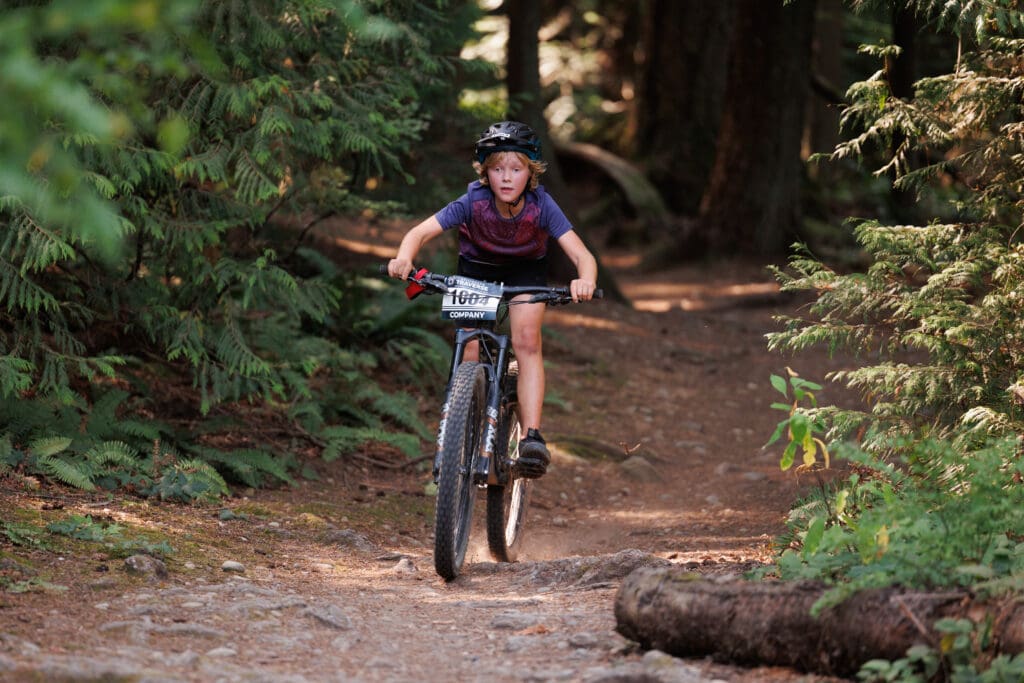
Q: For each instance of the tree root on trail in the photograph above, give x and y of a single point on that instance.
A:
(589, 448)
(770, 624)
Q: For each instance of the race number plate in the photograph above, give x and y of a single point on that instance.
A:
(470, 300)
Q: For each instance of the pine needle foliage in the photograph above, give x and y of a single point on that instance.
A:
(149, 163)
(933, 497)
(938, 310)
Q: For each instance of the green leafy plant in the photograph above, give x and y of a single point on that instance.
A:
(84, 528)
(800, 427)
(110, 535)
(130, 547)
(25, 535)
(938, 307)
(957, 658)
(934, 521)
(150, 260)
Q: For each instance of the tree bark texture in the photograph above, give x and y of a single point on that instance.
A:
(822, 130)
(523, 83)
(752, 203)
(901, 73)
(681, 90)
(770, 624)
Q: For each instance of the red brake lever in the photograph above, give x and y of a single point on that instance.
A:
(413, 289)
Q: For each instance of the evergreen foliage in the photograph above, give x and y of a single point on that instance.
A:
(150, 161)
(934, 493)
(939, 306)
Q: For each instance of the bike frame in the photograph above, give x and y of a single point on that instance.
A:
(495, 354)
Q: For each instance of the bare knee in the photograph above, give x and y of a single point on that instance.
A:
(527, 343)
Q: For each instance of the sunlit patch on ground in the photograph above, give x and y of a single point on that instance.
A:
(660, 297)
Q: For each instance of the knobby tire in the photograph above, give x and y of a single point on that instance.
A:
(506, 505)
(461, 436)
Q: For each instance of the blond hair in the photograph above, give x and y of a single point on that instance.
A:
(536, 167)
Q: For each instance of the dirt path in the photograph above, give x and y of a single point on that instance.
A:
(657, 415)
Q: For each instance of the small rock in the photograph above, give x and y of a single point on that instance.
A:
(723, 468)
(232, 566)
(513, 621)
(145, 565)
(349, 539)
(329, 615)
(638, 469)
(405, 566)
(221, 652)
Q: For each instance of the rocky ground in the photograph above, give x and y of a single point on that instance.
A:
(657, 416)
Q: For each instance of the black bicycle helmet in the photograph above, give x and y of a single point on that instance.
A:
(508, 136)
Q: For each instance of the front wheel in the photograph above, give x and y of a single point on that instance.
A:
(460, 438)
(506, 505)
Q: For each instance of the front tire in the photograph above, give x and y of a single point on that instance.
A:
(506, 505)
(456, 492)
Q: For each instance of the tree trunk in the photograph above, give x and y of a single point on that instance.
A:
(681, 90)
(901, 72)
(770, 624)
(752, 203)
(524, 96)
(822, 131)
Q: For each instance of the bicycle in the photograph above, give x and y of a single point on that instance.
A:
(479, 432)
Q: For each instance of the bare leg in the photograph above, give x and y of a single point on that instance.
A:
(526, 320)
(471, 352)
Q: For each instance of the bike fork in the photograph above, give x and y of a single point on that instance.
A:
(482, 472)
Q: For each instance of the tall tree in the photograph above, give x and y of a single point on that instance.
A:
(822, 130)
(524, 96)
(752, 202)
(682, 86)
(901, 72)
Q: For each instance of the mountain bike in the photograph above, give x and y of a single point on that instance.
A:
(479, 433)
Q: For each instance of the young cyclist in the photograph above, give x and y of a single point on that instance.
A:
(504, 222)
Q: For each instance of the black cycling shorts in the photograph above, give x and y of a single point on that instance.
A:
(532, 273)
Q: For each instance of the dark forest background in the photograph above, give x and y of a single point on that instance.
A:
(169, 328)
(164, 163)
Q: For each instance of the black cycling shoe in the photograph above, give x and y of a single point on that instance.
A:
(534, 457)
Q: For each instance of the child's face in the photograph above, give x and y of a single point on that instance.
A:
(507, 175)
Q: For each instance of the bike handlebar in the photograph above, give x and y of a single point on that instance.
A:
(438, 283)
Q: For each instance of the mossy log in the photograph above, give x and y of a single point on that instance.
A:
(770, 624)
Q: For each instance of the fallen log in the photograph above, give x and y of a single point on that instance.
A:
(752, 623)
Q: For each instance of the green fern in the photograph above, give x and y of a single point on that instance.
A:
(252, 467)
(48, 446)
(76, 474)
(343, 441)
(161, 253)
(190, 480)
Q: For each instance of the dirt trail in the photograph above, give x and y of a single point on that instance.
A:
(656, 414)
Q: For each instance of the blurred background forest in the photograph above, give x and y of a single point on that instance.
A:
(169, 328)
(163, 163)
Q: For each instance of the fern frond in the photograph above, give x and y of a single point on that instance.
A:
(48, 446)
(343, 441)
(250, 466)
(112, 453)
(78, 475)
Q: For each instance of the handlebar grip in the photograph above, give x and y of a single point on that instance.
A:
(382, 268)
(598, 293)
